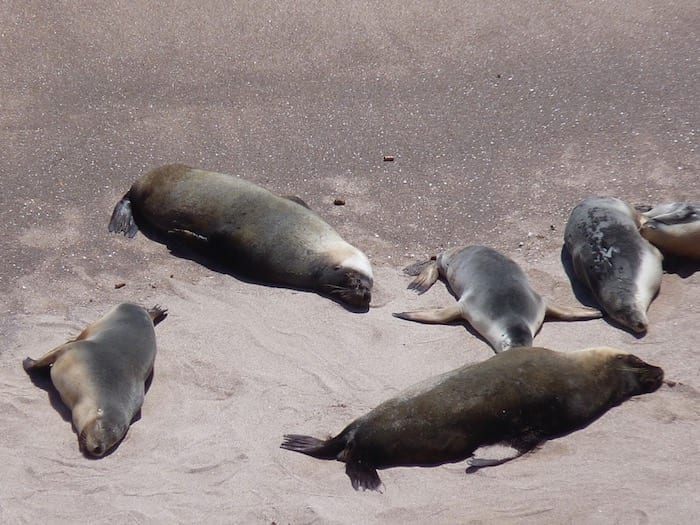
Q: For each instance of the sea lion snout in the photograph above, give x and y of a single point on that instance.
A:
(357, 292)
(651, 378)
(644, 378)
(97, 438)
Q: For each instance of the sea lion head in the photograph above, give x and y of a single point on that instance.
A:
(349, 286)
(629, 315)
(101, 434)
(639, 377)
(349, 280)
(636, 376)
(518, 334)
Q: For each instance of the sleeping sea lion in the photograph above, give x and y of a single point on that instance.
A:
(277, 240)
(101, 374)
(519, 398)
(494, 296)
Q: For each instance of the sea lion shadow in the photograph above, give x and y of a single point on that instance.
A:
(584, 295)
(683, 267)
(201, 252)
(42, 379)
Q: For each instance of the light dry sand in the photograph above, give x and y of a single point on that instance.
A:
(239, 365)
(501, 117)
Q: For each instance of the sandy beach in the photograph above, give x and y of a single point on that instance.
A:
(500, 119)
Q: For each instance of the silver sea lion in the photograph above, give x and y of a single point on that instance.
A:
(494, 296)
(621, 268)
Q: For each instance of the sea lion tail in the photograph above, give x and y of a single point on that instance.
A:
(122, 220)
(314, 447)
(362, 475)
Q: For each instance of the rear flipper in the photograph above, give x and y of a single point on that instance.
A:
(571, 313)
(157, 313)
(122, 220)
(426, 278)
(31, 365)
(434, 316)
(316, 448)
(363, 476)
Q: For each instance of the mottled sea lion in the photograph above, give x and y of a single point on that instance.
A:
(494, 296)
(275, 239)
(518, 399)
(673, 228)
(101, 374)
(621, 268)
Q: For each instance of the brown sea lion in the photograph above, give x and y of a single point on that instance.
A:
(101, 374)
(271, 238)
(519, 398)
(673, 228)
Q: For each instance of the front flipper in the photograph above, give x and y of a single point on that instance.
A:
(425, 279)
(479, 463)
(434, 316)
(571, 313)
(363, 476)
(676, 213)
(31, 365)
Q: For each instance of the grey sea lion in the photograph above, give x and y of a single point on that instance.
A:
(275, 239)
(621, 268)
(101, 374)
(519, 399)
(494, 296)
(673, 228)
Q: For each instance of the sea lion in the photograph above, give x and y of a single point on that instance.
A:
(518, 399)
(494, 296)
(275, 239)
(622, 270)
(673, 228)
(101, 374)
